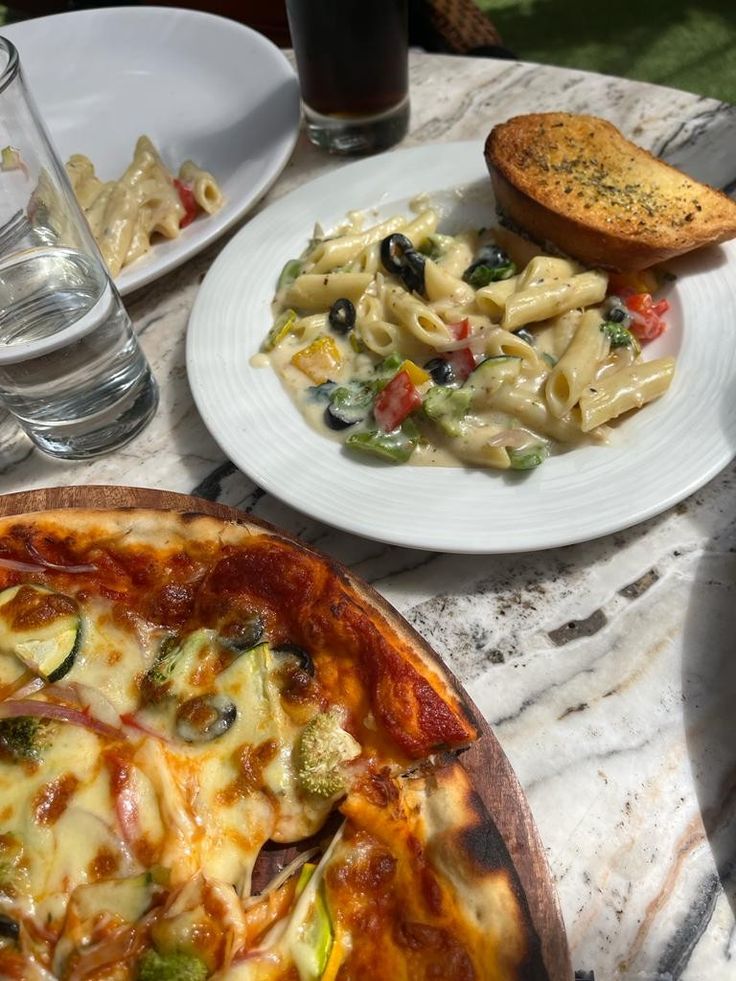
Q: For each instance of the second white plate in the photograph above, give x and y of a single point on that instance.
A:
(658, 457)
(203, 88)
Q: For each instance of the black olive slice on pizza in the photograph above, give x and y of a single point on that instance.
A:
(175, 692)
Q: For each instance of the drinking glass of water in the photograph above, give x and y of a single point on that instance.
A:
(71, 370)
(352, 58)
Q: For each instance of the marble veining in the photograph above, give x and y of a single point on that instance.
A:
(606, 668)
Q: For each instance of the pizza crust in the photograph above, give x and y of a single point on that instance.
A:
(339, 606)
(463, 843)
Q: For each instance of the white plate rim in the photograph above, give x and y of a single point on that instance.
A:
(214, 324)
(206, 229)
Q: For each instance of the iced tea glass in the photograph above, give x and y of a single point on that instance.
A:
(352, 59)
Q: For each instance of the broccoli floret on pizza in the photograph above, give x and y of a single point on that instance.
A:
(170, 967)
(323, 750)
(23, 737)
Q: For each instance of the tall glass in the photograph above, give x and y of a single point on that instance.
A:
(71, 370)
(352, 58)
(13, 443)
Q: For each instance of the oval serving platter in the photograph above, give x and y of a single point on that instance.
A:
(204, 88)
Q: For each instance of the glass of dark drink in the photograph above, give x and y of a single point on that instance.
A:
(352, 58)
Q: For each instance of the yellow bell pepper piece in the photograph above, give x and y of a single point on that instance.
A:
(642, 281)
(319, 361)
(338, 952)
(417, 375)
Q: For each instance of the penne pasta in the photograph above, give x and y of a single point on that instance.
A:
(415, 361)
(337, 252)
(544, 269)
(379, 336)
(474, 446)
(630, 388)
(531, 410)
(112, 218)
(441, 285)
(492, 299)
(578, 365)
(457, 255)
(146, 201)
(421, 227)
(503, 342)
(563, 330)
(367, 261)
(537, 303)
(314, 291)
(204, 187)
(415, 317)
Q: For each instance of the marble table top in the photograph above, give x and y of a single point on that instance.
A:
(606, 668)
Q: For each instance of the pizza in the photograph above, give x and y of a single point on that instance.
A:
(180, 697)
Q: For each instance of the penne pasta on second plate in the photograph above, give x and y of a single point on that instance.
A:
(125, 215)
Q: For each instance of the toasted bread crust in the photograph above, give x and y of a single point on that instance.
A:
(575, 181)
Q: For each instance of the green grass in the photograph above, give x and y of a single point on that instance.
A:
(685, 45)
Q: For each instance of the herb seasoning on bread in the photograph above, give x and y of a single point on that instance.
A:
(578, 182)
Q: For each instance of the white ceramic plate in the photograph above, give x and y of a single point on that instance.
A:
(202, 87)
(659, 456)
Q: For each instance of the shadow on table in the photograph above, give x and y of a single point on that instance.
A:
(709, 686)
(709, 703)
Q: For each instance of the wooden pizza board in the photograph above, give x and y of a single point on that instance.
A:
(490, 771)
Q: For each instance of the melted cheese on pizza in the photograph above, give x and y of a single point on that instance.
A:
(167, 707)
(402, 894)
(219, 801)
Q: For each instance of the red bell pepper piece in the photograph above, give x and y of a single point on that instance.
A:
(462, 362)
(394, 403)
(189, 203)
(460, 330)
(647, 322)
